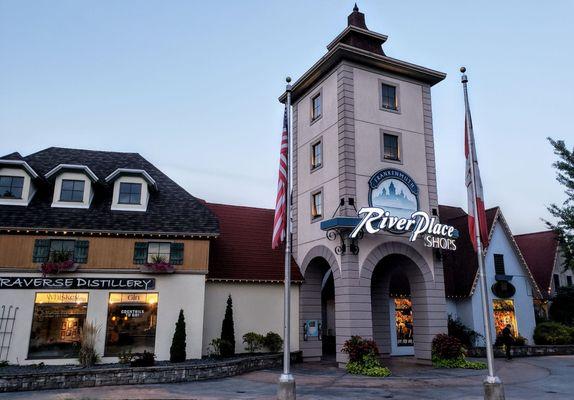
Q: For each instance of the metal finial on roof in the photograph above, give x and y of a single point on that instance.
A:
(356, 8)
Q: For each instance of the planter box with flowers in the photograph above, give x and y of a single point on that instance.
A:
(60, 261)
(158, 265)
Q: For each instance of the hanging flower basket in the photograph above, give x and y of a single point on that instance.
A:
(160, 267)
(52, 267)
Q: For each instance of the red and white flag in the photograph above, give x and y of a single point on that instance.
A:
(473, 182)
(280, 222)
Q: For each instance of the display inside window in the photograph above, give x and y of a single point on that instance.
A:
(404, 322)
(61, 250)
(391, 147)
(504, 315)
(389, 97)
(57, 325)
(317, 205)
(72, 190)
(130, 193)
(316, 155)
(131, 325)
(158, 252)
(316, 107)
(11, 187)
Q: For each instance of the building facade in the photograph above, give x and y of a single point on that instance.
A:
(362, 135)
(510, 284)
(102, 238)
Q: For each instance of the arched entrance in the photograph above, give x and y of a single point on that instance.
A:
(407, 300)
(317, 305)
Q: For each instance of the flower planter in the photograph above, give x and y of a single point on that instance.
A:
(50, 268)
(157, 268)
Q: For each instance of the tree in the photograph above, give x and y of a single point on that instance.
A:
(228, 331)
(564, 228)
(562, 307)
(177, 349)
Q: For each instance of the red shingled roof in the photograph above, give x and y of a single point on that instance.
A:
(539, 251)
(461, 266)
(242, 252)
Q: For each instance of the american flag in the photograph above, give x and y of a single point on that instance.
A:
(280, 222)
(470, 154)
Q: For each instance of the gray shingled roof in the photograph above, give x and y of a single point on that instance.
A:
(170, 209)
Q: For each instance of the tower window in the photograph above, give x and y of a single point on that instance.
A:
(317, 205)
(391, 147)
(499, 264)
(389, 97)
(316, 155)
(316, 107)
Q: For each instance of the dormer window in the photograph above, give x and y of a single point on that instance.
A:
(131, 189)
(16, 182)
(72, 190)
(130, 193)
(72, 185)
(11, 187)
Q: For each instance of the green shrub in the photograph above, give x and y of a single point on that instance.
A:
(273, 342)
(218, 347)
(369, 366)
(562, 307)
(446, 347)
(357, 348)
(177, 350)
(467, 336)
(227, 346)
(145, 359)
(125, 357)
(253, 341)
(459, 362)
(553, 333)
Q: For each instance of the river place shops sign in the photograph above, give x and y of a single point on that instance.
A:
(394, 207)
(76, 283)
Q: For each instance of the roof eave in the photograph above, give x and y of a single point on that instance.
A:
(84, 168)
(342, 52)
(22, 164)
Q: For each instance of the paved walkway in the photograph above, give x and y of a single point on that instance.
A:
(525, 378)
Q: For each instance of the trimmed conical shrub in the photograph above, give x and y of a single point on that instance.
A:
(177, 349)
(228, 331)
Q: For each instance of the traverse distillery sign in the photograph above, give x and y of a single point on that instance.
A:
(394, 207)
(76, 283)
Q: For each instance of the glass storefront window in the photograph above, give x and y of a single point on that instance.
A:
(57, 325)
(504, 315)
(132, 319)
(404, 322)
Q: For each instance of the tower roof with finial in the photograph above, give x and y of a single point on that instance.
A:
(356, 34)
(357, 44)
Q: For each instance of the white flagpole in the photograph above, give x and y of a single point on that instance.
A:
(286, 389)
(491, 379)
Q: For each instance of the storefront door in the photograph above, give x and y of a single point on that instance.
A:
(400, 310)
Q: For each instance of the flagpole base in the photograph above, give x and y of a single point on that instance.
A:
(493, 388)
(286, 387)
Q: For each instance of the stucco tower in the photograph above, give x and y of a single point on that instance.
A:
(358, 113)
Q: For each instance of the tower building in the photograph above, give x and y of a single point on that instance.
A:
(363, 136)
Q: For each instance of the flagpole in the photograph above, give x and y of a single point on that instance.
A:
(286, 388)
(493, 384)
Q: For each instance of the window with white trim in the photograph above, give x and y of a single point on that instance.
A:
(11, 187)
(72, 190)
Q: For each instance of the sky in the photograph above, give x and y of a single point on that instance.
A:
(193, 86)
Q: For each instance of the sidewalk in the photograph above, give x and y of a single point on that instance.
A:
(525, 378)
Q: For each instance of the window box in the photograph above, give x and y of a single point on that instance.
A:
(56, 267)
(160, 267)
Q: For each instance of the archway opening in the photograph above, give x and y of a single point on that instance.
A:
(317, 311)
(394, 321)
